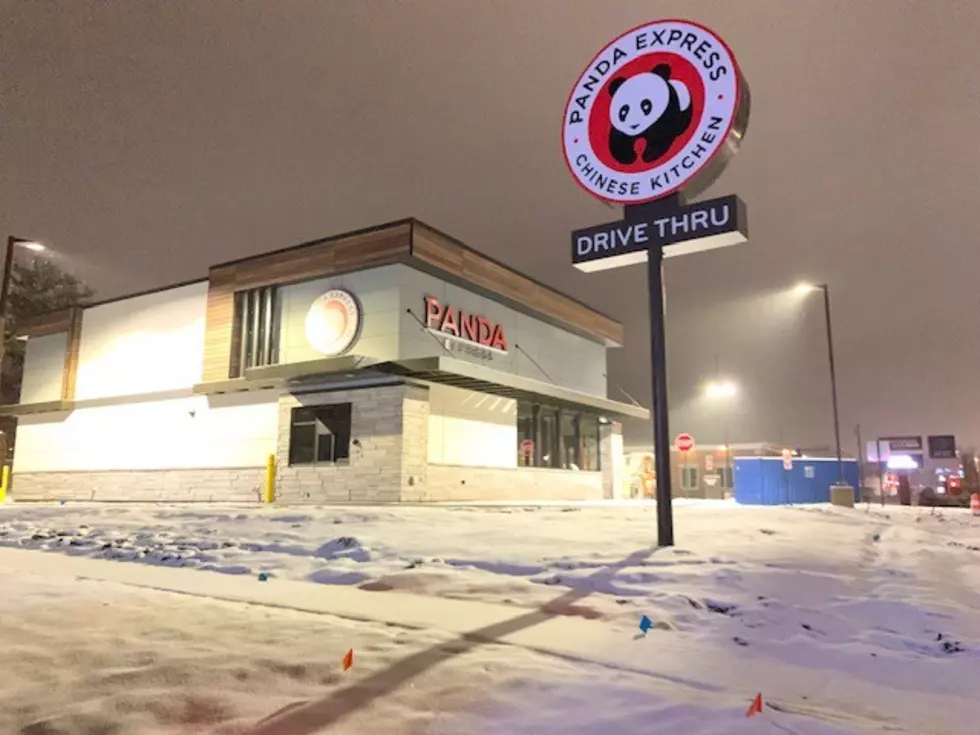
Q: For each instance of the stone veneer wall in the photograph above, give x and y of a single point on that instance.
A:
(175, 486)
(609, 463)
(447, 483)
(415, 443)
(389, 422)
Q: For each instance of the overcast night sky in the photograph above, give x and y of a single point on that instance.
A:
(148, 140)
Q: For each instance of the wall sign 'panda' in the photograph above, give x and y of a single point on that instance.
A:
(658, 110)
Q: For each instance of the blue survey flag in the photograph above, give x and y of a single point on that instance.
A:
(645, 624)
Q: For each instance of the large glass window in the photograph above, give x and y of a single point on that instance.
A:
(526, 434)
(726, 476)
(589, 430)
(558, 438)
(570, 445)
(549, 438)
(689, 478)
(320, 434)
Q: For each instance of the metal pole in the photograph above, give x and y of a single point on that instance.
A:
(658, 369)
(860, 457)
(5, 294)
(833, 383)
(881, 472)
(658, 366)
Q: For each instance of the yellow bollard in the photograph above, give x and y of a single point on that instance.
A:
(4, 482)
(270, 479)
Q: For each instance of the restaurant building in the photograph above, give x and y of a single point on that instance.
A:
(384, 365)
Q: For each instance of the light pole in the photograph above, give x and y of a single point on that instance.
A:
(8, 262)
(809, 288)
(719, 389)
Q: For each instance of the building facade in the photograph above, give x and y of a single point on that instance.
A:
(384, 365)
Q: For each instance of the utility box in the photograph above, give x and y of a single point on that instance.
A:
(765, 480)
(842, 495)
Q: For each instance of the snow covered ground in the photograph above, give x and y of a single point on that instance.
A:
(486, 620)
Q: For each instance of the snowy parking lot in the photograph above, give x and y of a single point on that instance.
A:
(174, 618)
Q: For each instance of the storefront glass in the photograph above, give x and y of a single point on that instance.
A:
(525, 433)
(589, 429)
(549, 438)
(562, 439)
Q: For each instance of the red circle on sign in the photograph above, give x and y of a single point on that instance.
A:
(527, 446)
(684, 442)
(681, 70)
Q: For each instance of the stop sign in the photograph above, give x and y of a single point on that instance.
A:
(684, 442)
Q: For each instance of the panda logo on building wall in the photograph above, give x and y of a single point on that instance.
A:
(649, 106)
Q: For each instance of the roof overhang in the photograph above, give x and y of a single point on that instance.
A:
(461, 374)
(342, 364)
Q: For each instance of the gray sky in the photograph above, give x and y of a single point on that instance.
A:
(151, 139)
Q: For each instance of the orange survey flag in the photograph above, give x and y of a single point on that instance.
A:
(756, 707)
(348, 659)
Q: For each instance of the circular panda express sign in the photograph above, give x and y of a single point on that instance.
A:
(333, 321)
(658, 110)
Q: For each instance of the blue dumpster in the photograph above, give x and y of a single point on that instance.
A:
(764, 480)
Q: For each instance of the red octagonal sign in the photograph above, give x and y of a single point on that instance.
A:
(684, 442)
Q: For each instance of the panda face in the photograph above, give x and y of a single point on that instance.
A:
(639, 102)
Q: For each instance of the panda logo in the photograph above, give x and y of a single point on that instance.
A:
(649, 105)
(658, 110)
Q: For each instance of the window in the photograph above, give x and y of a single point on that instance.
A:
(689, 478)
(256, 329)
(726, 476)
(589, 431)
(549, 438)
(570, 444)
(525, 433)
(561, 438)
(320, 434)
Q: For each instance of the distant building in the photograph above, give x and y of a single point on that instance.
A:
(706, 472)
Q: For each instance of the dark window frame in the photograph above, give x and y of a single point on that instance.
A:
(336, 420)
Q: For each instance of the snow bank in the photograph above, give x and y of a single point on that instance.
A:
(849, 619)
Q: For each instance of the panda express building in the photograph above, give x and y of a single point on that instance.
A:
(384, 365)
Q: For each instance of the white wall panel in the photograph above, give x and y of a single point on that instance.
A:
(471, 429)
(239, 430)
(143, 345)
(44, 368)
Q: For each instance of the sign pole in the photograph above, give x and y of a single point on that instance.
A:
(658, 368)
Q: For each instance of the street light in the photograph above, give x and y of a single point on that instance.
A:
(806, 288)
(720, 389)
(12, 242)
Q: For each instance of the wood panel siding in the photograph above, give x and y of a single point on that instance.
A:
(44, 324)
(218, 332)
(442, 252)
(344, 253)
(71, 355)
